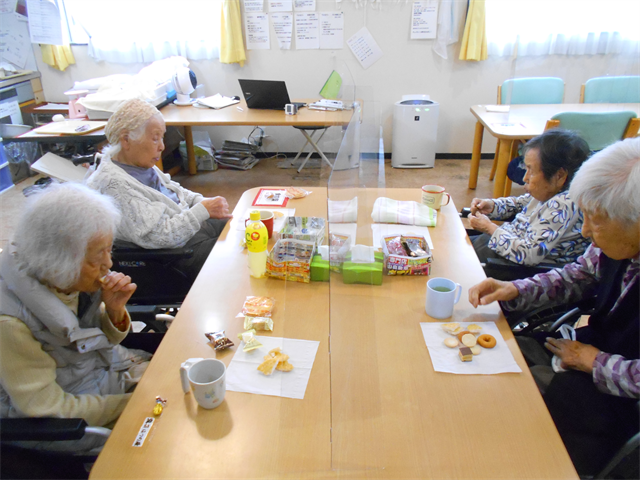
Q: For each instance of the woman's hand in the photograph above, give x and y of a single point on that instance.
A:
(490, 290)
(482, 223)
(482, 205)
(575, 355)
(116, 292)
(217, 207)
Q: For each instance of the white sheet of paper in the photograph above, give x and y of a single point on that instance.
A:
(497, 108)
(345, 229)
(7, 6)
(490, 361)
(304, 5)
(424, 19)
(257, 31)
(44, 22)
(254, 6)
(243, 374)
(364, 47)
(11, 109)
(280, 5)
(307, 31)
(15, 44)
(283, 26)
(381, 229)
(331, 30)
(54, 106)
(278, 220)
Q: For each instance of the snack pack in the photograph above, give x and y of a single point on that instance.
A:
(293, 192)
(258, 306)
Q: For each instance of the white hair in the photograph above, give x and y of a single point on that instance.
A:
(52, 236)
(135, 135)
(610, 181)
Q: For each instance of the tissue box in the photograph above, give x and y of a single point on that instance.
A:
(367, 273)
(402, 264)
(320, 269)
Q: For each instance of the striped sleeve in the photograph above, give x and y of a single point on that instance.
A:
(615, 375)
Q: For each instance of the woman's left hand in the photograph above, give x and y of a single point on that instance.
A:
(575, 355)
(116, 292)
(482, 223)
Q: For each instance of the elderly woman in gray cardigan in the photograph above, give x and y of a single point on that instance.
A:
(62, 314)
(156, 212)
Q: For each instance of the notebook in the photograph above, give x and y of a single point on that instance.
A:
(266, 94)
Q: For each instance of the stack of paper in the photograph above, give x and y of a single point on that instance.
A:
(217, 101)
(237, 155)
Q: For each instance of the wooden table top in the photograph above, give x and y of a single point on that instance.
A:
(528, 121)
(194, 116)
(373, 407)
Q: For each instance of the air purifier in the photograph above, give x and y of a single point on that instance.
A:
(415, 130)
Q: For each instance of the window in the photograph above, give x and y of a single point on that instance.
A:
(132, 31)
(573, 27)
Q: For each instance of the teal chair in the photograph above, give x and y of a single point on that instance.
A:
(598, 129)
(611, 90)
(531, 90)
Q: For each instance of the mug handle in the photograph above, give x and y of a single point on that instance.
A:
(184, 369)
(459, 288)
(448, 200)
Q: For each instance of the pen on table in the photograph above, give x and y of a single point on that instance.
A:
(240, 109)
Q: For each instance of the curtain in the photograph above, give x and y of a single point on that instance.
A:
(231, 43)
(474, 40)
(567, 27)
(449, 16)
(57, 56)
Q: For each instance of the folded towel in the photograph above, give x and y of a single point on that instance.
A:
(343, 212)
(386, 210)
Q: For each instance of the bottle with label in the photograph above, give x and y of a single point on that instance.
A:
(257, 237)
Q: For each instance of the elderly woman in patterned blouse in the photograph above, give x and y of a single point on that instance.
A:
(593, 398)
(156, 212)
(547, 222)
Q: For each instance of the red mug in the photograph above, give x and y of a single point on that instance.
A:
(266, 217)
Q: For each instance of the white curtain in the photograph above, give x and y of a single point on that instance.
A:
(563, 27)
(137, 31)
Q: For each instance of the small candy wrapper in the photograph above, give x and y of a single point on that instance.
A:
(159, 407)
(250, 341)
(253, 330)
(258, 306)
(219, 340)
(293, 192)
(258, 323)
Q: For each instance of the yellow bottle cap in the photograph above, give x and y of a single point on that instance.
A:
(254, 215)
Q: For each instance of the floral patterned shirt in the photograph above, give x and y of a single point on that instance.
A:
(541, 231)
(612, 374)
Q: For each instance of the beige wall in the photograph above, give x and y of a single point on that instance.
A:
(407, 67)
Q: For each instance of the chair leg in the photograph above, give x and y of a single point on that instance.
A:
(507, 187)
(495, 162)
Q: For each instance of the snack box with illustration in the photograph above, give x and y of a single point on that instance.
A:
(304, 228)
(406, 255)
(291, 260)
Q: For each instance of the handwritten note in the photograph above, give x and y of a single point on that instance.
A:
(283, 26)
(307, 36)
(304, 5)
(280, 5)
(7, 6)
(365, 48)
(424, 19)
(331, 30)
(15, 45)
(253, 6)
(257, 31)
(44, 22)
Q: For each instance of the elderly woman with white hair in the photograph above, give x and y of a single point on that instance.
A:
(62, 314)
(592, 391)
(156, 212)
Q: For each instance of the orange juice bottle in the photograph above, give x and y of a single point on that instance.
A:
(256, 237)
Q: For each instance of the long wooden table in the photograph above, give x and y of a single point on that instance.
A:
(240, 114)
(373, 408)
(522, 122)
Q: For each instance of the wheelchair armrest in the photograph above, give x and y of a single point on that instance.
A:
(127, 253)
(503, 264)
(42, 429)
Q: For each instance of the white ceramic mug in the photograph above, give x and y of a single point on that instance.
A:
(206, 377)
(432, 196)
(442, 295)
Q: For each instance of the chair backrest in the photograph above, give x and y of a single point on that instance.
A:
(598, 129)
(612, 90)
(532, 90)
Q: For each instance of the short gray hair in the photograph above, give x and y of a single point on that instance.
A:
(608, 182)
(134, 135)
(52, 236)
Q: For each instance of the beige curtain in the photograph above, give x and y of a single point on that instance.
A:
(57, 56)
(231, 45)
(474, 40)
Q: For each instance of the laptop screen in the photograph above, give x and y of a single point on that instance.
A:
(266, 94)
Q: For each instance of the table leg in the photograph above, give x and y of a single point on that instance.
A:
(475, 156)
(317, 149)
(501, 170)
(191, 154)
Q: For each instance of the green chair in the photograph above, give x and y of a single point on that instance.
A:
(598, 129)
(611, 90)
(531, 90)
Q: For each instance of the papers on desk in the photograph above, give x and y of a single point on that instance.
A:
(63, 107)
(491, 361)
(508, 128)
(69, 127)
(243, 374)
(383, 229)
(217, 101)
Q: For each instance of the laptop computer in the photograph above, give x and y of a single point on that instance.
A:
(266, 94)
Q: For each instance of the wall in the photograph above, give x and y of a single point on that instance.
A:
(407, 66)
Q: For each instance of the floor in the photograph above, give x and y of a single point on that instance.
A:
(452, 174)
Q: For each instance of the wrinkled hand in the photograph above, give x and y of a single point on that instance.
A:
(117, 289)
(217, 207)
(482, 205)
(490, 290)
(482, 223)
(575, 355)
